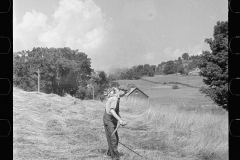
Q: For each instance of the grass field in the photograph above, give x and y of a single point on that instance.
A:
(47, 126)
(190, 79)
(165, 95)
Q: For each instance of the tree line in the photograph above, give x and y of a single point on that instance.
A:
(62, 71)
(135, 72)
(181, 65)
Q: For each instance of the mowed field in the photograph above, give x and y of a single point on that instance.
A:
(47, 126)
(190, 79)
(163, 94)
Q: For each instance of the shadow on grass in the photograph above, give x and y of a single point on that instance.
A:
(208, 155)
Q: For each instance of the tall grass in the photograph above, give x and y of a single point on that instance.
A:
(171, 129)
(53, 127)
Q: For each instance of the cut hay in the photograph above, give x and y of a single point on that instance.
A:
(54, 127)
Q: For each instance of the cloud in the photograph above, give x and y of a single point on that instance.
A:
(167, 50)
(178, 52)
(79, 24)
(150, 56)
(196, 50)
(171, 54)
(122, 49)
(25, 34)
(76, 24)
(174, 54)
(33, 21)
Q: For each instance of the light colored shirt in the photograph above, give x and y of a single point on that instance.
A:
(111, 104)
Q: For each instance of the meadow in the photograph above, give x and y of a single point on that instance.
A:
(190, 79)
(160, 91)
(47, 126)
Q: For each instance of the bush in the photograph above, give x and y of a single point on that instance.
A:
(175, 86)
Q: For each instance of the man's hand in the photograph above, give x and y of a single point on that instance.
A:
(122, 123)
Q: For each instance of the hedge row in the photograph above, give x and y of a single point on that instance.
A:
(172, 83)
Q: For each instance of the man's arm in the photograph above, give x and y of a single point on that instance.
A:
(115, 115)
(112, 111)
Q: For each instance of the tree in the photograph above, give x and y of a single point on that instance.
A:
(214, 66)
(169, 68)
(62, 70)
(193, 64)
(179, 59)
(180, 69)
(185, 70)
(153, 71)
(100, 82)
(113, 84)
(21, 72)
(140, 69)
(177, 63)
(185, 56)
(115, 73)
(146, 69)
(95, 83)
(159, 69)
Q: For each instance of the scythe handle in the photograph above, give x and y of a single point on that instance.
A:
(115, 129)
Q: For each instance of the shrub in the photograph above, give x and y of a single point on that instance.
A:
(175, 86)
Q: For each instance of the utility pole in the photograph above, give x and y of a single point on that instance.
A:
(93, 91)
(38, 80)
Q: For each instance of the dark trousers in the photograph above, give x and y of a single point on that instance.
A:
(112, 140)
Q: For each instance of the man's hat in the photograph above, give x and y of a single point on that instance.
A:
(123, 87)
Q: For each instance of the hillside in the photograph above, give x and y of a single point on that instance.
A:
(50, 126)
(196, 81)
(47, 126)
(159, 89)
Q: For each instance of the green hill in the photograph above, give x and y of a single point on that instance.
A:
(160, 89)
(196, 81)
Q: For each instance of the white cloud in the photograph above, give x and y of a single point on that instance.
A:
(76, 24)
(171, 54)
(79, 25)
(33, 21)
(168, 50)
(25, 34)
(178, 52)
(150, 56)
(196, 50)
(174, 54)
(94, 38)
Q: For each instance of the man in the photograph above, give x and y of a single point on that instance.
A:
(111, 118)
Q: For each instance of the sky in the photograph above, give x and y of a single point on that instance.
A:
(118, 33)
